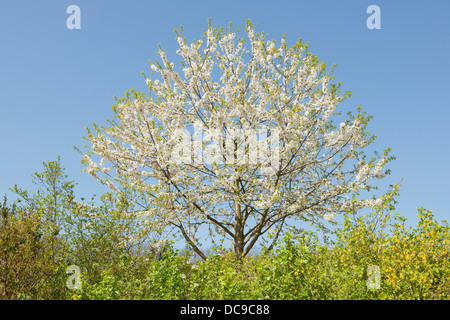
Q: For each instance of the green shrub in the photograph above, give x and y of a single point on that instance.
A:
(28, 269)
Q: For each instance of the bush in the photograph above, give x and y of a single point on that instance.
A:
(27, 266)
(40, 239)
(413, 265)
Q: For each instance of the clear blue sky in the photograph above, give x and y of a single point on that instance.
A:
(54, 82)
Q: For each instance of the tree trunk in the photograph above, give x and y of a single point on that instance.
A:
(238, 227)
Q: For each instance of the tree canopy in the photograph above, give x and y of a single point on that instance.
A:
(240, 141)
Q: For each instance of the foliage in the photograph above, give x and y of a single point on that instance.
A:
(27, 266)
(416, 261)
(44, 233)
(53, 200)
(413, 264)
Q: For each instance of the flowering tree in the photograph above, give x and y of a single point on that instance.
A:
(240, 142)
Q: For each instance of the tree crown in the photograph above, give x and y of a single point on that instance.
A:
(241, 141)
